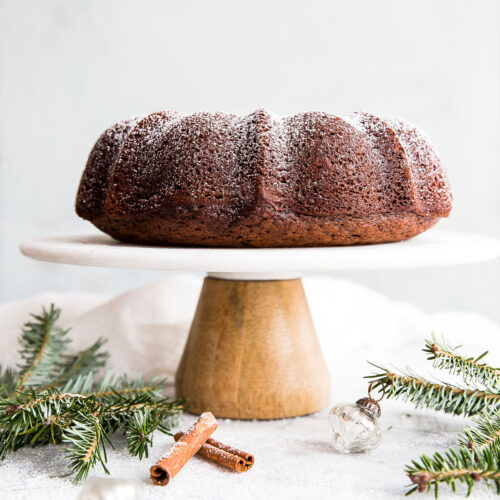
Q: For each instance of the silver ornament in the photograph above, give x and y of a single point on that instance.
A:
(105, 488)
(355, 427)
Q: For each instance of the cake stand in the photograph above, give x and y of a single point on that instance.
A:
(252, 351)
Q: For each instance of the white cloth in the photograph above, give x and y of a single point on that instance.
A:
(146, 329)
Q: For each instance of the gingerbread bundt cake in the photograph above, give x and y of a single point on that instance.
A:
(215, 179)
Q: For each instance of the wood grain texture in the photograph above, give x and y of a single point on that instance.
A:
(252, 352)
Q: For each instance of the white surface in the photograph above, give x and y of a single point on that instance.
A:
(433, 248)
(293, 457)
(71, 68)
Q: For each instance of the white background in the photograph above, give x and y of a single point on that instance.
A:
(69, 68)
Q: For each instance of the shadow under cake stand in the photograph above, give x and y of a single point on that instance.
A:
(252, 352)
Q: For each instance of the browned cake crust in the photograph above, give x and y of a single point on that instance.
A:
(215, 179)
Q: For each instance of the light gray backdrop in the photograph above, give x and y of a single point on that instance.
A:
(72, 67)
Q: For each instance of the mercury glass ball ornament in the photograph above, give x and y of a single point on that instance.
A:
(107, 488)
(355, 427)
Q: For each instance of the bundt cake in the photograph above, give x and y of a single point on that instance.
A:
(216, 179)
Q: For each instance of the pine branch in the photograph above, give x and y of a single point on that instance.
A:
(440, 397)
(42, 344)
(118, 412)
(55, 398)
(448, 358)
(88, 438)
(165, 409)
(462, 465)
(80, 364)
(483, 434)
(8, 382)
(34, 409)
(54, 417)
(140, 430)
(114, 385)
(38, 418)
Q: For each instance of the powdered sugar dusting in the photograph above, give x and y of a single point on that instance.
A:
(219, 170)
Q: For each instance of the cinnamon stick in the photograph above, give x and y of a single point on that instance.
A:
(189, 444)
(237, 460)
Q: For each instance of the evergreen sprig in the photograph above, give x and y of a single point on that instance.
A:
(478, 456)
(484, 433)
(448, 358)
(423, 393)
(42, 345)
(8, 382)
(456, 465)
(140, 430)
(56, 398)
(37, 418)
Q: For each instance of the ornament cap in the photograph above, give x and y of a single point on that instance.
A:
(370, 404)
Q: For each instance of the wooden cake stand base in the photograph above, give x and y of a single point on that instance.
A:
(252, 351)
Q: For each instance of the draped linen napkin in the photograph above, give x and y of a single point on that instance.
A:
(147, 327)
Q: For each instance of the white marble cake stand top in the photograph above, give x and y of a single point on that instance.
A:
(433, 248)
